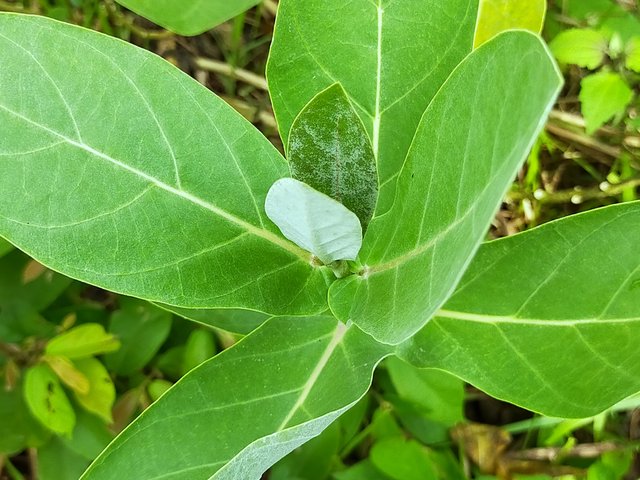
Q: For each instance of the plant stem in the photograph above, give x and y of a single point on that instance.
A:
(223, 68)
(577, 196)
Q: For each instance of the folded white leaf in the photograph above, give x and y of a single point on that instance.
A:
(314, 221)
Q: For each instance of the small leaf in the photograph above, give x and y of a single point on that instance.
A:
(5, 247)
(603, 95)
(580, 46)
(200, 347)
(330, 151)
(402, 459)
(141, 329)
(314, 221)
(83, 341)
(47, 401)
(157, 388)
(632, 55)
(102, 393)
(497, 16)
(18, 428)
(68, 373)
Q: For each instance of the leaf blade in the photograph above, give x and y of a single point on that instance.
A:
(127, 166)
(557, 328)
(462, 184)
(290, 395)
(389, 91)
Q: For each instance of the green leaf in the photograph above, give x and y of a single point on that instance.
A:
(82, 341)
(157, 388)
(329, 150)
(580, 46)
(235, 321)
(603, 95)
(56, 461)
(188, 17)
(450, 186)
(141, 329)
(361, 471)
(314, 221)
(402, 459)
(156, 192)
(632, 55)
(20, 302)
(391, 58)
(68, 373)
(439, 395)
(497, 16)
(47, 401)
(249, 406)
(66, 458)
(545, 319)
(18, 428)
(200, 346)
(5, 247)
(102, 393)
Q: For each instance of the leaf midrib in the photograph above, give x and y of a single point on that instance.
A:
(510, 319)
(251, 229)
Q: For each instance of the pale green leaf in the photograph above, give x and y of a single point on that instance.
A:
(497, 16)
(314, 221)
(391, 57)
(450, 186)
(82, 341)
(188, 17)
(547, 319)
(329, 150)
(156, 192)
(102, 393)
(141, 329)
(18, 428)
(603, 95)
(361, 471)
(580, 46)
(632, 56)
(47, 400)
(249, 406)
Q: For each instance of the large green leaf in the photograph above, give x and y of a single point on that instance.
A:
(548, 319)
(391, 57)
(450, 186)
(249, 406)
(188, 17)
(121, 171)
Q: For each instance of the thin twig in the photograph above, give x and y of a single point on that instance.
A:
(577, 195)
(584, 140)
(271, 7)
(222, 68)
